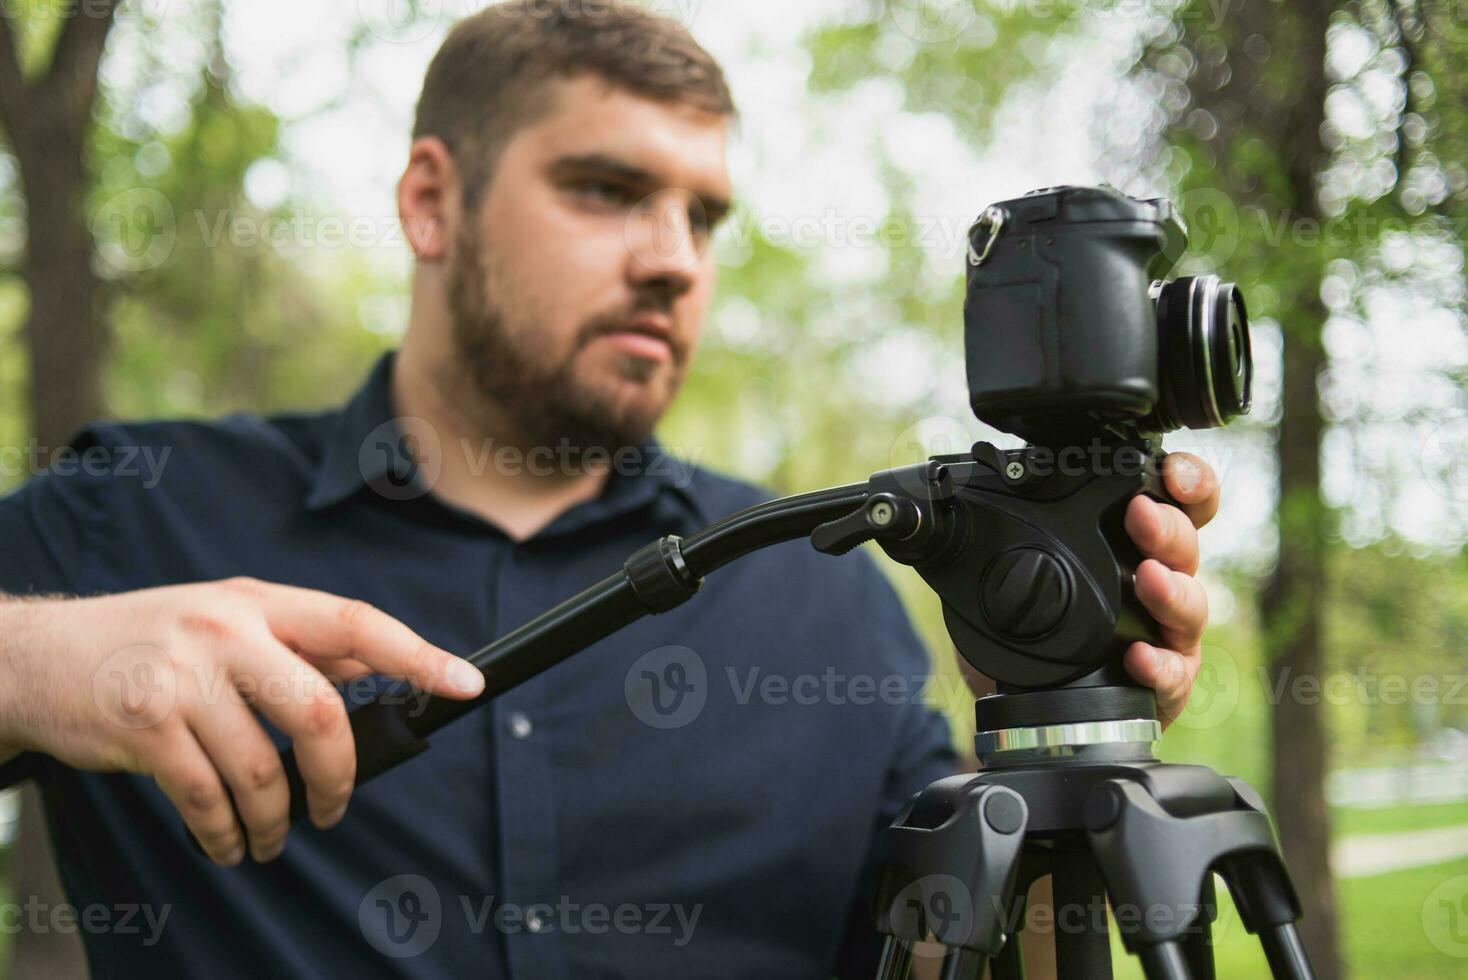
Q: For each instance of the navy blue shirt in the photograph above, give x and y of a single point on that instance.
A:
(697, 795)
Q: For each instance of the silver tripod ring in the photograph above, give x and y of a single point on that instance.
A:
(1057, 740)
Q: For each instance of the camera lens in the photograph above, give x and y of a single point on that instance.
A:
(1206, 367)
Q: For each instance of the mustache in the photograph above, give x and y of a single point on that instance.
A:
(614, 321)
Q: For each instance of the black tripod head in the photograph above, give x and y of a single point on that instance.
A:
(1075, 342)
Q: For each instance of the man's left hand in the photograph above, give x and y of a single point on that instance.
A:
(1168, 539)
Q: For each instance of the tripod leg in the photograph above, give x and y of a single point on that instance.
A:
(1198, 945)
(962, 964)
(1009, 964)
(1164, 961)
(1285, 952)
(1082, 943)
(896, 961)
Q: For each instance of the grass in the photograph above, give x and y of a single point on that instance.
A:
(1398, 819)
(1385, 924)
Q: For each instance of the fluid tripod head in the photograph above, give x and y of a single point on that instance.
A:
(1075, 342)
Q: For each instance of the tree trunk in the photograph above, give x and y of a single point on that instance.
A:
(64, 335)
(1292, 607)
(1293, 601)
(1272, 95)
(48, 121)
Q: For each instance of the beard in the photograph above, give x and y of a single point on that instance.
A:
(510, 373)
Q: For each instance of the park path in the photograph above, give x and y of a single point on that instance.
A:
(1372, 854)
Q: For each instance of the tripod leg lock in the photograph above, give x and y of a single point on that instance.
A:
(659, 575)
(949, 864)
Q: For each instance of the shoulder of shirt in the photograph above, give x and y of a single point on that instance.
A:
(183, 450)
(265, 429)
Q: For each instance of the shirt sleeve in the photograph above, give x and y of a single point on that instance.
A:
(47, 535)
(45, 526)
(923, 752)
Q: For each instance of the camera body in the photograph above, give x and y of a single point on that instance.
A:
(1075, 341)
(1070, 329)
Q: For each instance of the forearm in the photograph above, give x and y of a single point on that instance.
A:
(21, 640)
(10, 609)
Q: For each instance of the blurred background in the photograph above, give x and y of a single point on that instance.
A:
(197, 217)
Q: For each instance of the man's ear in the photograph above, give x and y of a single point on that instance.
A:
(428, 199)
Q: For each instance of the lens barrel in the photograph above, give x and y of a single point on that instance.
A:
(1206, 365)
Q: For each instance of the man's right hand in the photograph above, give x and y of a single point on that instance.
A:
(162, 682)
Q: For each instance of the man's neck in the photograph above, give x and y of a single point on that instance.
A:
(486, 469)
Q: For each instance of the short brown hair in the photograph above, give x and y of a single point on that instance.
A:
(490, 77)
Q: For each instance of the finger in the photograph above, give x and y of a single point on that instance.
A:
(1163, 532)
(343, 671)
(250, 764)
(323, 625)
(1167, 672)
(193, 786)
(302, 703)
(1193, 484)
(1176, 601)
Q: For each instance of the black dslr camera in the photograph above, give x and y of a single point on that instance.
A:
(1071, 329)
(1076, 342)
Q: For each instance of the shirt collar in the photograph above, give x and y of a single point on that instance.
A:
(368, 447)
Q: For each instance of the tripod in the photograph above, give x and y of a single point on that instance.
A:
(1081, 799)
(1033, 566)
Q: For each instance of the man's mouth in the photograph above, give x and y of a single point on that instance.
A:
(649, 336)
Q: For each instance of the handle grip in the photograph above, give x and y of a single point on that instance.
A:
(383, 737)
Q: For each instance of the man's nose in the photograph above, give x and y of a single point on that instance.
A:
(664, 246)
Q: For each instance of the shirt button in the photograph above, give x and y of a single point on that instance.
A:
(536, 921)
(520, 726)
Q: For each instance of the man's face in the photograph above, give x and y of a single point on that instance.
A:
(578, 289)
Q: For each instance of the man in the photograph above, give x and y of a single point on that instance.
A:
(589, 823)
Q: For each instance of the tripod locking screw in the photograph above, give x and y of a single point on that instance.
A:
(1004, 811)
(1103, 807)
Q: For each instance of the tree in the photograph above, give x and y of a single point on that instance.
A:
(1254, 121)
(47, 119)
(1260, 78)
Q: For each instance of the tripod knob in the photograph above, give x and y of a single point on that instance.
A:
(1026, 592)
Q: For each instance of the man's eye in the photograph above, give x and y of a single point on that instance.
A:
(605, 191)
(698, 221)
